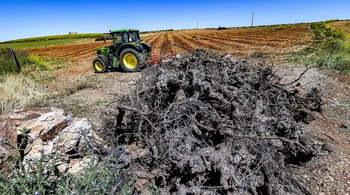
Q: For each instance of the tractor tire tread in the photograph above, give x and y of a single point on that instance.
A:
(103, 62)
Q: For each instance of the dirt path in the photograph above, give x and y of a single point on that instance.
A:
(78, 90)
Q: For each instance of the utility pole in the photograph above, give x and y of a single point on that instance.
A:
(252, 19)
(197, 24)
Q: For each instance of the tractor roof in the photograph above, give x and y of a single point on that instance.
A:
(123, 30)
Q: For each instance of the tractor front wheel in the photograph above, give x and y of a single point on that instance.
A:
(131, 60)
(99, 65)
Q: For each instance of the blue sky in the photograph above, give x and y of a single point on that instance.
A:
(22, 19)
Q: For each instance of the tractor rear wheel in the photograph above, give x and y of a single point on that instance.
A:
(131, 60)
(99, 65)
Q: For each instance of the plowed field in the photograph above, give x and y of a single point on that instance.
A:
(75, 51)
(240, 42)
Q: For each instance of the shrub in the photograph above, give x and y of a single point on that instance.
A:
(27, 62)
(24, 181)
(42, 177)
(7, 63)
(104, 177)
(334, 48)
(331, 48)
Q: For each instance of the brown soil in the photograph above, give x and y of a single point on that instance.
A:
(76, 51)
(239, 42)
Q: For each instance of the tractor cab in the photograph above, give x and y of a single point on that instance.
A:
(131, 36)
(128, 52)
(125, 36)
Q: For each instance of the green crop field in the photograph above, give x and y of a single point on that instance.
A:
(26, 45)
(47, 41)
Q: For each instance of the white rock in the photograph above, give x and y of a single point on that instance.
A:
(69, 138)
(62, 167)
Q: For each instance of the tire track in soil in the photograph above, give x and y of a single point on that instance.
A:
(70, 51)
(271, 34)
(238, 50)
(200, 44)
(251, 40)
(214, 39)
(158, 42)
(169, 49)
(183, 45)
(234, 48)
(146, 36)
(258, 46)
(233, 42)
(153, 39)
(220, 45)
(79, 53)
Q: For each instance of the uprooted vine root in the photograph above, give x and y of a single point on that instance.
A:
(216, 125)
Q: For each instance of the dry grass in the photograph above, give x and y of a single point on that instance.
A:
(18, 91)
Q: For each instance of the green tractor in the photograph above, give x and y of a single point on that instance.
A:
(128, 52)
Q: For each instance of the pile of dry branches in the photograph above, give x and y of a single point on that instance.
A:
(216, 125)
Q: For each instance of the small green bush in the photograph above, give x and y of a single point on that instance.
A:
(27, 62)
(331, 49)
(108, 176)
(323, 30)
(7, 63)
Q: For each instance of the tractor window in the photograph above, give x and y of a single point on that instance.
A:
(117, 38)
(125, 37)
(134, 36)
